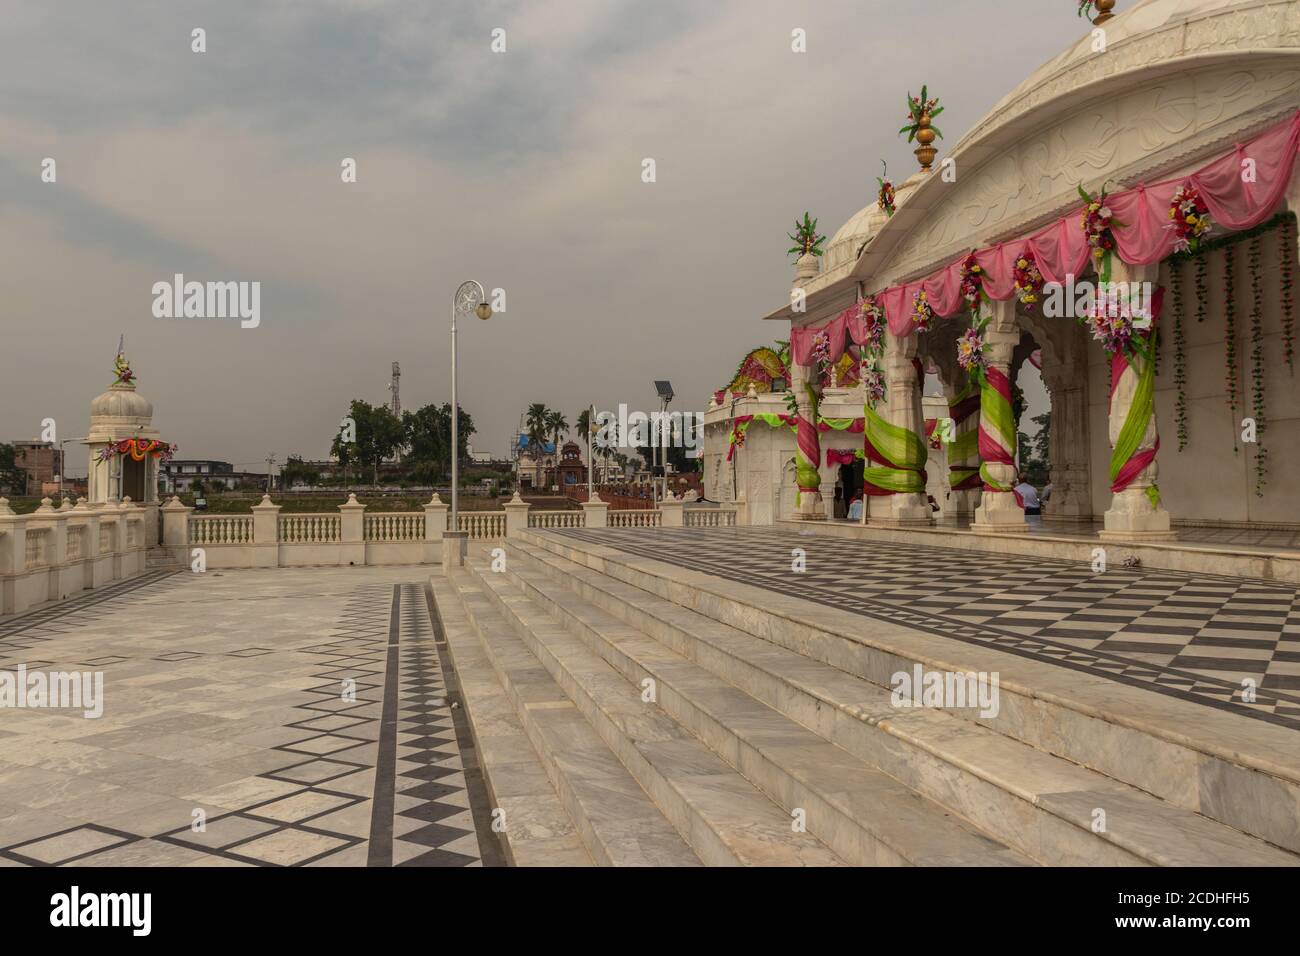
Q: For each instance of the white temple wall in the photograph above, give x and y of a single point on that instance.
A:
(1208, 481)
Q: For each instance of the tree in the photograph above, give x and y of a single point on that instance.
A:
(379, 435)
(295, 471)
(12, 478)
(556, 425)
(427, 435)
(536, 423)
(1043, 440)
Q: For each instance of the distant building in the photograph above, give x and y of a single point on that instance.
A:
(534, 463)
(570, 471)
(178, 474)
(41, 462)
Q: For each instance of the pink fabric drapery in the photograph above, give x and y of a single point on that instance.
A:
(836, 456)
(1236, 201)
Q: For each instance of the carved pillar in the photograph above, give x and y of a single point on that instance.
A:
(1064, 346)
(808, 451)
(901, 409)
(999, 510)
(1135, 512)
(961, 440)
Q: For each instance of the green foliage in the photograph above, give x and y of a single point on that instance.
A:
(427, 438)
(295, 471)
(379, 435)
(805, 238)
(916, 106)
(12, 478)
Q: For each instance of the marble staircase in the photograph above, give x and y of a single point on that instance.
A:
(678, 725)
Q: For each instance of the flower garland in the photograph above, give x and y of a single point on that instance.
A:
(1287, 249)
(1097, 222)
(1180, 352)
(1028, 278)
(1190, 217)
(122, 370)
(1114, 323)
(1202, 289)
(138, 449)
(922, 312)
(1231, 371)
(873, 379)
(821, 351)
(972, 284)
(1256, 253)
(873, 314)
(972, 351)
(885, 197)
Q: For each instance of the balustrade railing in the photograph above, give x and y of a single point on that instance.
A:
(638, 518)
(557, 519)
(394, 526)
(483, 524)
(37, 554)
(709, 518)
(310, 529)
(221, 529)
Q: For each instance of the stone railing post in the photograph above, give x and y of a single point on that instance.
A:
(435, 526)
(266, 534)
(516, 516)
(176, 529)
(13, 556)
(674, 515)
(352, 532)
(455, 546)
(595, 513)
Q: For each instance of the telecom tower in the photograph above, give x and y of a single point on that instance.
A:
(393, 387)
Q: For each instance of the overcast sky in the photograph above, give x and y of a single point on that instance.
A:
(521, 169)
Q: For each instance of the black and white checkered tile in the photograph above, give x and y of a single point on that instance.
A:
(419, 808)
(1215, 640)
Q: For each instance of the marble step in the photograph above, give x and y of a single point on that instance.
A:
(619, 824)
(726, 820)
(865, 816)
(1231, 768)
(1042, 805)
(538, 830)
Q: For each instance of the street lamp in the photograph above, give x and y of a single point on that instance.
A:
(665, 390)
(469, 298)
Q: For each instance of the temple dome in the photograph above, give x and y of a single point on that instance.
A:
(122, 402)
(1233, 25)
(846, 245)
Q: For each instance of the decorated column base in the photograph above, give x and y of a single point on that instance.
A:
(810, 507)
(1132, 517)
(905, 511)
(999, 513)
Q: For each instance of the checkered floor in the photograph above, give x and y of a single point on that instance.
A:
(1214, 640)
(370, 771)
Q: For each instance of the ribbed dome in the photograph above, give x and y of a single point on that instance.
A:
(846, 245)
(122, 401)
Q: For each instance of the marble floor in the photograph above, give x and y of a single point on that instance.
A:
(1263, 541)
(1208, 639)
(279, 717)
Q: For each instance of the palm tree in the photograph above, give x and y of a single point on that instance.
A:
(536, 422)
(556, 425)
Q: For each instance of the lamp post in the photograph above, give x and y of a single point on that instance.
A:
(665, 390)
(469, 298)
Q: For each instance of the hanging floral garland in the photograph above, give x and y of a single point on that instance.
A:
(1097, 222)
(1180, 351)
(1256, 253)
(1029, 279)
(885, 197)
(1202, 289)
(139, 449)
(1231, 371)
(1190, 219)
(972, 351)
(873, 317)
(972, 284)
(1287, 247)
(922, 312)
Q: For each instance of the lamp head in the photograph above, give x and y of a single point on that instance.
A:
(483, 311)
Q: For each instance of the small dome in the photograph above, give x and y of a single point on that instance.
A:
(122, 401)
(846, 245)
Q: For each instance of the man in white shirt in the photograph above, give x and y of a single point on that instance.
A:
(1029, 495)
